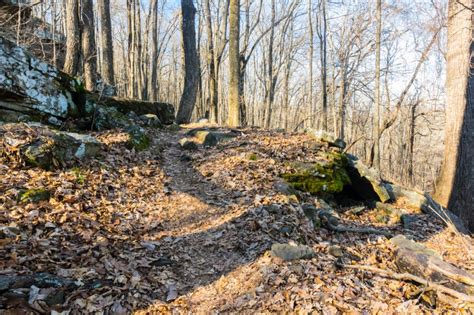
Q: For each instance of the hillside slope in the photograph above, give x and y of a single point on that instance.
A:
(190, 231)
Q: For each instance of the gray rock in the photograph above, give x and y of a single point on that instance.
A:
(151, 120)
(408, 220)
(32, 85)
(327, 137)
(206, 138)
(138, 139)
(39, 146)
(110, 118)
(188, 144)
(288, 252)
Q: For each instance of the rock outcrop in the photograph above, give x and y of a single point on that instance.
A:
(32, 87)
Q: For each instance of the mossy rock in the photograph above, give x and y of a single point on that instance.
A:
(322, 177)
(138, 139)
(39, 153)
(34, 195)
(206, 138)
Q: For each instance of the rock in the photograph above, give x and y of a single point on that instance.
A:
(415, 258)
(335, 251)
(9, 116)
(30, 86)
(188, 144)
(324, 136)
(424, 202)
(42, 147)
(213, 135)
(289, 252)
(34, 195)
(69, 145)
(408, 220)
(138, 139)
(109, 118)
(164, 111)
(206, 138)
(284, 188)
(151, 120)
(9, 232)
(366, 182)
(328, 176)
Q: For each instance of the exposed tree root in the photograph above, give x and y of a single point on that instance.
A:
(409, 277)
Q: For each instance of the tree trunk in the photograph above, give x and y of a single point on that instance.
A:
(191, 65)
(310, 58)
(73, 40)
(456, 182)
(88, 45)
(323, 43)
(234, 64)
(213, 94)
(269, 95)
(152, 82)
(107, 57)
(376, 131)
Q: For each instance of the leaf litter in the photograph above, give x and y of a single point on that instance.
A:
(173, 231)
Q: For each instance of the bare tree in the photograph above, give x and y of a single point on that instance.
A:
(378, 106)
(107, 56)
(88, 44)
(234, 64)
(191, 63)
(456, 182)
(73, 39)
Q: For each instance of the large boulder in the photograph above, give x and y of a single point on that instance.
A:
(32, 87)
(366, 182)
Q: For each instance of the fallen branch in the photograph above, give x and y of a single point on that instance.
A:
(410, 277)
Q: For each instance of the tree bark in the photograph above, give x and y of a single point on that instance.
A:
(88, 45)
(107, 56)
(234, 64)
(191, 65)
(322, 34)
(73, 39)
(456, 181)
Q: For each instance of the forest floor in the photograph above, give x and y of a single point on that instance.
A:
(172, 231)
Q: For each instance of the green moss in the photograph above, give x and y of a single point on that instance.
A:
(80, 177)
(253, 157)
(324, 177)
(34, 195)
(138, 139)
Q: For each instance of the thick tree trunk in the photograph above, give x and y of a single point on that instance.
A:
(191, 64)
(107, 57)
(234, 64)
(73, 39)
(456, 182)
(88, 45)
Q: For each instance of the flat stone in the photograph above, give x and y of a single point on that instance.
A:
(289, 252)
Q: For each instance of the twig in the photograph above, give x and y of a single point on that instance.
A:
(410, 277)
